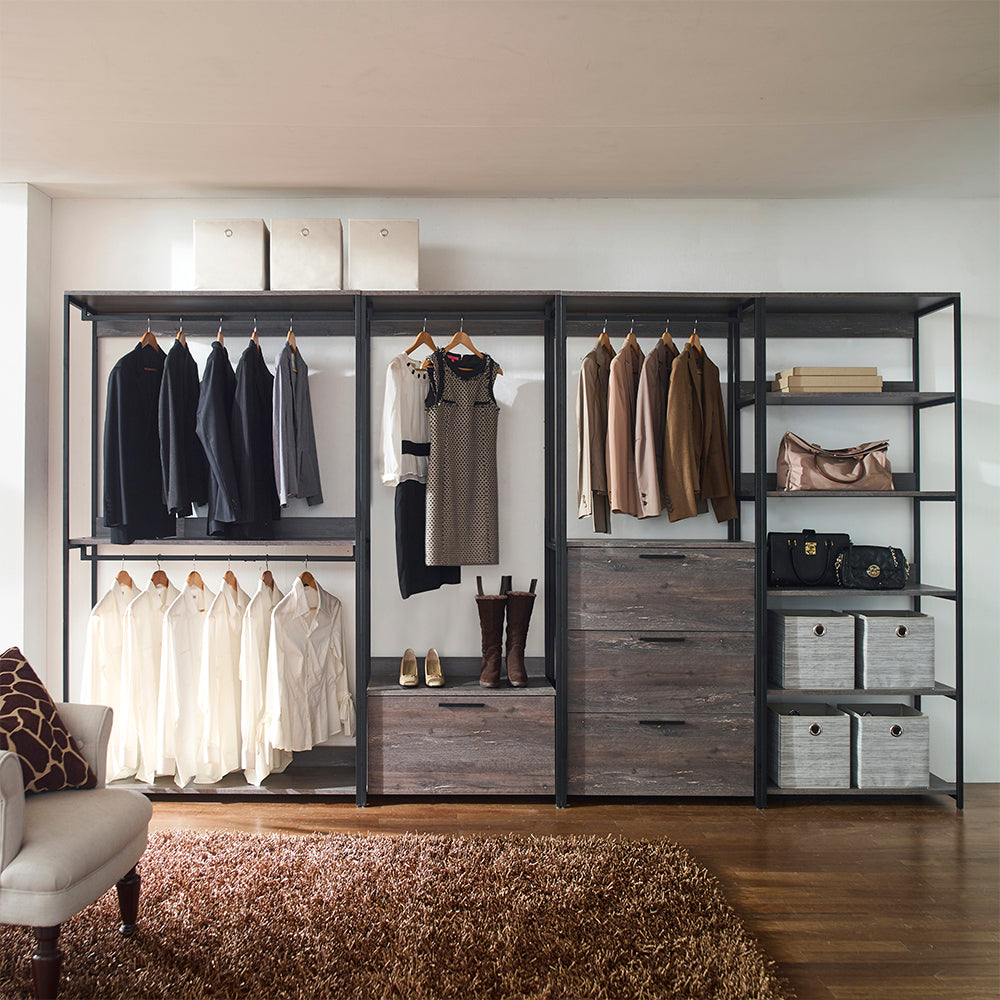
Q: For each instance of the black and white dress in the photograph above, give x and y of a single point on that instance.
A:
(405, 447)
(462, 503)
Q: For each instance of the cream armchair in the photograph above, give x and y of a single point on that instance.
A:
(61, 851)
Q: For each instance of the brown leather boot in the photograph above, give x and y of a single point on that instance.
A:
(491, 610)
(519, 605)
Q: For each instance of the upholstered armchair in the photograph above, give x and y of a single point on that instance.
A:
(61, 851)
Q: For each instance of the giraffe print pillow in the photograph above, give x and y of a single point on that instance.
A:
(31, 727)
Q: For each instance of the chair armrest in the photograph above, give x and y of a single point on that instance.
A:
(90, 726)
(11, 807)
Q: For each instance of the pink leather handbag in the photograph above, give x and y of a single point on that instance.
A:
(804, 466)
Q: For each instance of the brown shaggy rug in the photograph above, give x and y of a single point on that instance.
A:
(412, 916)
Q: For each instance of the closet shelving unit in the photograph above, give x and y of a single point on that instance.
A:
(859, 317)
(127, 315)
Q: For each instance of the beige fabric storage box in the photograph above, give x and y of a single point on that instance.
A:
(306, 254)
(230, 255)
(810, 649)
(890, 746)
(895, 649)
(809, 746)
(383, 254)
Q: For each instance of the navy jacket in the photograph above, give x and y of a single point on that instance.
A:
(215, 409)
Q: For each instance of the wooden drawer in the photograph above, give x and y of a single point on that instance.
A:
(489, 743)
(633, 755)
(652, 671)
(657, 586)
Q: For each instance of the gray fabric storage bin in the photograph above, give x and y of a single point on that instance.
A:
(383, 254)
(230, 255)
(890, 746)
(306, 254)
(809, 746)
(810, 649)
(894, 649)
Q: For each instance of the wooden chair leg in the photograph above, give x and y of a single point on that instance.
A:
(45, 963)
(128, 901)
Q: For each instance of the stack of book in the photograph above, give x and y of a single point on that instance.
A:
(806, 379)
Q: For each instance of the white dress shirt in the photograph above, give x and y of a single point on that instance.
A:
(142, 648)
(404, 418)
(179, 725)
(307, 698)
(259, 758)
(102, 670)
(219, 685)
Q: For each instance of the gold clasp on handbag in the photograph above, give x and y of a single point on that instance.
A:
(810, 548)
(874, 571)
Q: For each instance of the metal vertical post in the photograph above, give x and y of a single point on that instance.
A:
(733, 394)
(556, 418)
(959, 597)
(65, 510)
(760, 548)
(362, 539)
(915, 445)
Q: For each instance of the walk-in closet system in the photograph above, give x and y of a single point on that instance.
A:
(666, 698)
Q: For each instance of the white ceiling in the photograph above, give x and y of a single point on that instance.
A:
(700, 98)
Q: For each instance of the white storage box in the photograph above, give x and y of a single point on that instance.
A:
(810, 649)
(809, 746)
(895, 649)
(383, 254)
(230, 255)
(890, 746)
(306, 254)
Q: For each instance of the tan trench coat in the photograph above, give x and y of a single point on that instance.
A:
(592, 437)
(623, 389)
(650, 426)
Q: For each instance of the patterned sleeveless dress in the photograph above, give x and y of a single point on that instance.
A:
(462, 468)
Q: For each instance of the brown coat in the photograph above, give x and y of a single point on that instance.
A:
(650, 426)
(622, 391)
(696, 445)
(592, 437)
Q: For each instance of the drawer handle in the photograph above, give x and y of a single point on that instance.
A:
(461, 704)
(660, 723)
(662, 638)
(662, 555)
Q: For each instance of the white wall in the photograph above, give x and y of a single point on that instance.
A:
(748, 246)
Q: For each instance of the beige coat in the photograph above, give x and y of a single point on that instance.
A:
(696, 446)
(650, 425)
(623, 389)
(592, 437)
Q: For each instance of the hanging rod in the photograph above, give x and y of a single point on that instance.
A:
(88, 555)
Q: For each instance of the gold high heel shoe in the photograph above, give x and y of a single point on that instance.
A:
(433, 675)
(408, 669)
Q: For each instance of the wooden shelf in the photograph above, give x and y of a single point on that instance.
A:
(944, 690)
(910, 590)
(892, 394)
(936, 786)
(904, 483)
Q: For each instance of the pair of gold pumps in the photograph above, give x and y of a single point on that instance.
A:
(433, 675)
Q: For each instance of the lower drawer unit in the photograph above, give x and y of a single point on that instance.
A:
(661, 755)
(436, 742)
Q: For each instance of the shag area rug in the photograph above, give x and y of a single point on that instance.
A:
(411, 916)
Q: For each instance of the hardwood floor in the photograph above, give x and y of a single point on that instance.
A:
(855, 899)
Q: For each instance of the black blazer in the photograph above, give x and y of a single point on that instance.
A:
(182, 458)
(215, 409)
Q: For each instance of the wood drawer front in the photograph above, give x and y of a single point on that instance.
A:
(616, 755)
(643, 587)
(461, 745)
(652, 671)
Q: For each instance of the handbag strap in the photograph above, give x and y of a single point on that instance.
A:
(810, 569)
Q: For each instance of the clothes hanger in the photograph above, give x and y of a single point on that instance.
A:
(630, 337)
(218, 337)
(666, 338)
(423, 338)
(604, 340)
(180, 338)
(308, 580)
(194, 577)
(694, 340)
(123, 578)
(462, 339)
(148, 339)
(253, 335)
(290, 337)
(159, 578)
(230, 577)
(266, 578)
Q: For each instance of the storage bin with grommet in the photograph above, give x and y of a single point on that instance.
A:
(810, 649)
(809, 745)
(890, 746)
(894, 649)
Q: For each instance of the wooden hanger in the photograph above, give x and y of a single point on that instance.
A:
(462, 339)
(194, 580)
(694, 340)
(123, 578)
(253, 335)
(290, 337)
(630, 338)
(604, 340)
(667, 339)
(159, 578)
(218, 337)
(267, 579)
(308, 580)
(230, 577)
(180, 338)
(148, 339)
(423, 338)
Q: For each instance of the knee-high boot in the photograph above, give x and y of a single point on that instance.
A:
(519, 605)
(491, 611)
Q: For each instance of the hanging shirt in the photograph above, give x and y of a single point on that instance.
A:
(142, 649)
(650, 426)
(215, 413)
(219, 685)
(182, 457)
(259, 758)
(623, 389)
(296, 465)
(307, 698)
(406, 436)
(102, 671)
(592, 437)
(179, 722)
(133, 478)
(253, 450)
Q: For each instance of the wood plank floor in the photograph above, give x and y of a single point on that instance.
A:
(855, 899)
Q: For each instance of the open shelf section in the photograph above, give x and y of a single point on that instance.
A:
(904, 483)
(937, 688)
(461, 675)
(892, 394)
(911, 590)
(936, 786)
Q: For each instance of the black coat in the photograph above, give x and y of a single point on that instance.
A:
(253, 449)
(133, 478)
(215, 409)
(182, 458)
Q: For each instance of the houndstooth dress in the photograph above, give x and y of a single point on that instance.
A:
(462, 468)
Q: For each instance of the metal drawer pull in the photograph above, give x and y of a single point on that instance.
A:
(662, 555)
(662, 638)
(461, 704)
(660, 723)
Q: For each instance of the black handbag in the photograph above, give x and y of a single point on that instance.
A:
(804, 559)
(872, 567)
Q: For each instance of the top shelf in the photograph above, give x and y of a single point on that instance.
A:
(892, 394)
